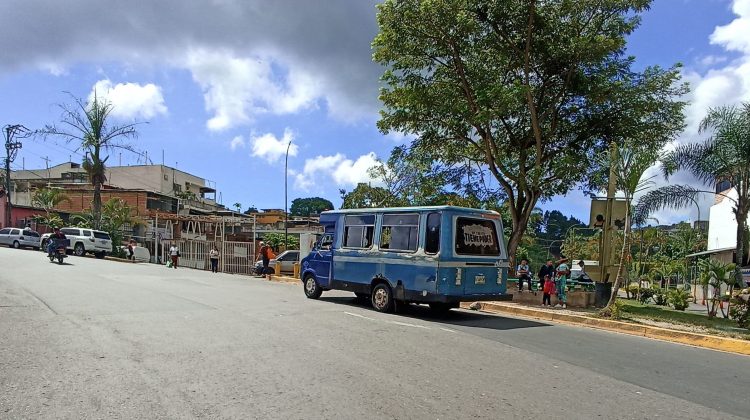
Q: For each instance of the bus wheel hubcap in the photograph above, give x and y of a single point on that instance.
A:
(380, 298)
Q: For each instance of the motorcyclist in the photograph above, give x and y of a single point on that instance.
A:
(53, 240)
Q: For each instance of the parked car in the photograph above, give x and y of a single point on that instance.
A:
(18, 238)
(286, 258)
(141, 254)
(84, 241)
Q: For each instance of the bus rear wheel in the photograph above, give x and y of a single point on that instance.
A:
(382, 298)
(312, 289)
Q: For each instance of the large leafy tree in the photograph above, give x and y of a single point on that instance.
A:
(311, 205)
(88, 125)
(529, 90)
(725, 155)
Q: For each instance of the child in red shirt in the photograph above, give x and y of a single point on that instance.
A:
(549, 290)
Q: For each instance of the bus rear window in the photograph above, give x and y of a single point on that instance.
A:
(476, 237)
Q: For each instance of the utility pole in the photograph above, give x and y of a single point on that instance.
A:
(11, 150)
(286, 200)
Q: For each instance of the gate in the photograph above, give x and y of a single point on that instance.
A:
(234, 257)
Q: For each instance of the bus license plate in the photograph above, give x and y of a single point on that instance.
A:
(479, 279)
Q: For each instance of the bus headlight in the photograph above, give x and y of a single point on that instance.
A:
(499, 276)
(458, 277)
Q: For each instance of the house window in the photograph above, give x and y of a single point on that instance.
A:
(722, 186)
(358, 231)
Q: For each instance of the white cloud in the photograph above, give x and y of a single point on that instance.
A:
(711, 60)
(338, 168)
(237, 142)
(236, 88)
(131, 100)
(736, 35)
(270, 148)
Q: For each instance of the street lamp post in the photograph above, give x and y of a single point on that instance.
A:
(286, 199)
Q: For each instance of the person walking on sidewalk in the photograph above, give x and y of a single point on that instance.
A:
(563, 271)
(213, 255)
(174, 254)
(549, 290)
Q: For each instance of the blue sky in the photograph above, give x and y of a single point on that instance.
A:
(225, 84)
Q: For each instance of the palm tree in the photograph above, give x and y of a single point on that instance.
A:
(628, 163)
(714, 273)
(87, 124)
(725, 155)
(48, 198)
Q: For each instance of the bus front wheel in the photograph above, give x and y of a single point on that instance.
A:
(382, 298)
(312, 289)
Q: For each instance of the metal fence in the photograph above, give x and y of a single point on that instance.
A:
(234, 257)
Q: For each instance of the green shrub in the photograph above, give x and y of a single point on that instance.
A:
(678, 298)
(659, 297)
(646, 294)
(613, 311)
(740, 310)
(632, 289)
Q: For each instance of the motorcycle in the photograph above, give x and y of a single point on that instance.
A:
(57, 250)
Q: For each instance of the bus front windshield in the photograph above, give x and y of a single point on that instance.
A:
(476, 237)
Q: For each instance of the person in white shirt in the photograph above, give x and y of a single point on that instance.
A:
(522, 271)
(174, 254)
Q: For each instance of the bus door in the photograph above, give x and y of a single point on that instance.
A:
(320, 260)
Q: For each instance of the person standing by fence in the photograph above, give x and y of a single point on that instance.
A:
(174, 254)
(264, 255)
(213, 255)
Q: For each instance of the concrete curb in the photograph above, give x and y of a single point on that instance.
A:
(730, 345)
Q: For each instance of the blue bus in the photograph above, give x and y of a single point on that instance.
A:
(439, 255)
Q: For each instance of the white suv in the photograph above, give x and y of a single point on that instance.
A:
(83, 241)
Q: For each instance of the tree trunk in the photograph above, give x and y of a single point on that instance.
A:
(96, 210)
(740, 250)
(519, 227)
(623, 256)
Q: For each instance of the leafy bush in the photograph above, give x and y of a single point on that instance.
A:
(660, 298)
(613, 311)
(646, 294)
(678, 298)
(632, 290)
(740, 310)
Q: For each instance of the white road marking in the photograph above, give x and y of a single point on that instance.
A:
(403, 324)
(406, 324)
(359, 316)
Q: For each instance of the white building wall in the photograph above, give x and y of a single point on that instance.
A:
(722, 228)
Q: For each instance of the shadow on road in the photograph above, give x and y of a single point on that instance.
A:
(455, 317)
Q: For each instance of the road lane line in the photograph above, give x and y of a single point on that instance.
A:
(360, 316)
(406, 324)
(448, 330)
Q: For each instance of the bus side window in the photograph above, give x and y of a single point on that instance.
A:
(358, 231)
(432, 235)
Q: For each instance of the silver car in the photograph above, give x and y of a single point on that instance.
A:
(286, 259)
(18, 238)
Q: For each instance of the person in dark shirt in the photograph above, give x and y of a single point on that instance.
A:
(546, 270)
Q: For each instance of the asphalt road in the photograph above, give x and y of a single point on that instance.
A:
(101, 339)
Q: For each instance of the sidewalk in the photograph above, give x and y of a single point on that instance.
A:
(588, 319)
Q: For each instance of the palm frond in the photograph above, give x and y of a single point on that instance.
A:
(671, 196)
